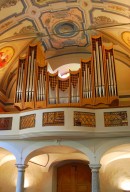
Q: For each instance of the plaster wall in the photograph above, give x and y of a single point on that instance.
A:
(116, 176)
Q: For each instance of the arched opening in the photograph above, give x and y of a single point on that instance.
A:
(44, 161)
(8, 171)
(115, 172)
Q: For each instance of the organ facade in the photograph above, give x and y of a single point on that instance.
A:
(93, 84)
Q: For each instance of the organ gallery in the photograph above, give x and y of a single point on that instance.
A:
(93, 84)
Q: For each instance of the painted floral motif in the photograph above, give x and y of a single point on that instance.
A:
(6, 55)
(8, 3)
(103, 20)
(116, 8)
(26, 29)
(43, 2)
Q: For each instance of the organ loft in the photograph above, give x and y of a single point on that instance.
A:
(93, 84)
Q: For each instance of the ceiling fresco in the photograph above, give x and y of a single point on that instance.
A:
(64, 29)
(60, 24)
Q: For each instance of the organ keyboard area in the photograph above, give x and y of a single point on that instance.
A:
(94, 83)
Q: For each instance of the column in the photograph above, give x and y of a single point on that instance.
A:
(95, 177)
(20, 178)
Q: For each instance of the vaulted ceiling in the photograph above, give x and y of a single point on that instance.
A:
(64, 29)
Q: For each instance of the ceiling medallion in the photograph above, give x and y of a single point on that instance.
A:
(65, 29)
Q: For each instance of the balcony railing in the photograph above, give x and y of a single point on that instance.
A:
(65, 122)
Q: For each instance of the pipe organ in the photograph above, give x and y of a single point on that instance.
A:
(94, 83)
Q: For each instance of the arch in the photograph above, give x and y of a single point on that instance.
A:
(109, 145)
(7, 146)
(6, 159)
(67, 158)
(39, 145)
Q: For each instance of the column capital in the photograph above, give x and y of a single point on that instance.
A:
(95, 167)
(21, 167)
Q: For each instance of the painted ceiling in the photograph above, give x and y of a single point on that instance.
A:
(64, 29)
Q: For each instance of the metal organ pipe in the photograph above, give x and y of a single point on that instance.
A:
(32, 77)
(90, 77)
(33, 86)
(102, 71)
(72, 93)
(50, 95)
(86, 80)
(40, 79)
(18, 85)
(84, 84)
(78, 90)
(28, 77)
(38, 90)
(86, 88)
(95, 73)
(22, 79)
(98, 66)
(111, 73)
(42, 85)
(109, 78)
(114, 75)
(17, 90)
(20, 82)
(89, 89)
(56, 93)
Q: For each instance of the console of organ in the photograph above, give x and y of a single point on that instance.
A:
(94, 83)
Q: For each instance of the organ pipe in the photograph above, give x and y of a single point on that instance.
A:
(20, 78)
(41, 83)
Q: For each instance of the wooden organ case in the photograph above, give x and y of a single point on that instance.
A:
(99, 83)
(93, 84)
